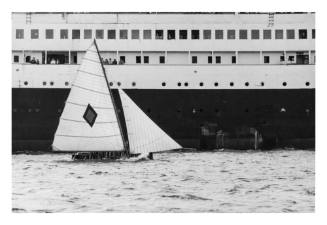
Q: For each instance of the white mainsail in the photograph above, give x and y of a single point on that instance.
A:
(88, 121)
(144, 135)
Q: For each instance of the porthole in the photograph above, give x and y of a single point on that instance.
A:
(246, 83)
(262, 84)
(44, 83)
(201, 84)
(216, 84)
(51, 83)
(231, 84)
(179, 84)
(25, 83)
(66, 83)
(185, 84)
(307, 83)
(163, 84)
(118, 83)
(111, 84)
(284, 84)
(133, 84)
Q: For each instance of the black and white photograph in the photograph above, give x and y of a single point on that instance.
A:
(157, 111)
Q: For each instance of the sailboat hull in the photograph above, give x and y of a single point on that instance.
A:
(282, 117)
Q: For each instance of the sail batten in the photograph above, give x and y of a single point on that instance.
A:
(88, 121)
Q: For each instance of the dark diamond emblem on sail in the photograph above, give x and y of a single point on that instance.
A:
(90, 115)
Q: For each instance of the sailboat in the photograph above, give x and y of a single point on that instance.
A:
(96, 125)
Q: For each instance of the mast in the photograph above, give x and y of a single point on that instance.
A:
(113, 102)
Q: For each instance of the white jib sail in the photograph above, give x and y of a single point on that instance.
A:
(88, 121)
(144, 135)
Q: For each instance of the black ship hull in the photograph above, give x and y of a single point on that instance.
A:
(201, 119)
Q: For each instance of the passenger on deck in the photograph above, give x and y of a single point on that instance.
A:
(121, 62)
(37, 61)
(57, 61)
(106, 62)
(110, 61)
(33, 60)
(114, 62)
(53, 61)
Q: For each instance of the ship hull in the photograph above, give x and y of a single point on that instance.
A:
(201, 119)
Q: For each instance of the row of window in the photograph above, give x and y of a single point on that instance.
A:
(179, 84)
(244, 34)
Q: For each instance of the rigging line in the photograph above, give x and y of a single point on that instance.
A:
(94, 74)
(96, 107)
(82, 121)
(76, 136)
(90, 89)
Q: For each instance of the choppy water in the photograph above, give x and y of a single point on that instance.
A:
(276, 181)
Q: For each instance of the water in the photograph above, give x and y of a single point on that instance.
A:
(276, 181)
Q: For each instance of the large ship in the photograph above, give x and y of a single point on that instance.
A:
(210, 80)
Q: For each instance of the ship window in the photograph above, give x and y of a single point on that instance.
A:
(118, 83)
(206, 34)
(122, 59)
(44, 83)
(307, 83)
(51, 83)
(218, 59)
(195, 34)
(230, 34)
(111, 84)
(171, 35)
(246, 83)
(123, 34)
(209, 59)
(266, 34)
(186, 84)
(194, 59)
(16, 58)
(76, 34)
(49, 33)
(25, 83)
(179, 84)
(135, 34)
(255, 34)
(219, 34)
(290, 34)
(66, 83)
(291, 58)
(99, 34)
(216, 84)
(233, 59)
(231, 84)
(313, 33)
(138, 59)
(262, 84)
(133, 84)
(183, 34)
(279, 34)
(303, 34)
(243, 34)
(201, 84)
(163, 84)
(88, 34)
(19, 33)
(284, 83)
(147, 34)
(111, 34)
(162, 59)
(146, 59)
(282, 58)
(266, 59)
(34, 34)
(64, 34)
(159, 34)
